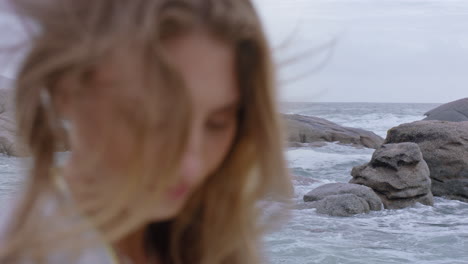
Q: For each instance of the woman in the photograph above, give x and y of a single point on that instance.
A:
(169, 111)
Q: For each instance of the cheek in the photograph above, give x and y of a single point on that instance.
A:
(217, 147)
(95, 131)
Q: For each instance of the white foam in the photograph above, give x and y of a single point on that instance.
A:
(420, 234)
(329, 156)
(378, 123)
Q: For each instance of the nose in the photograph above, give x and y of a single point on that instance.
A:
(191, 164)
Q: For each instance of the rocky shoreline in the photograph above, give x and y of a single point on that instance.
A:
(415, 162)
(305, 131)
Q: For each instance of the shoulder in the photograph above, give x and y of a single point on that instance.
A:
(91, 255)
(98, 253)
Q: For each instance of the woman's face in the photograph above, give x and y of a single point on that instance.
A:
(207, 68)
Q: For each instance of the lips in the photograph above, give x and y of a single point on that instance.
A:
(179, 191)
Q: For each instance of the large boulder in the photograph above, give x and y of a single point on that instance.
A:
(398, 174)
(456, 111)
(444, 146)
(342, 199)
(342, 205)
(309, 129)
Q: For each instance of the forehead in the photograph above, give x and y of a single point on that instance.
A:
(207, 67)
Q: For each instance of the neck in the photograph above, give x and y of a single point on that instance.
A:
(132, 247)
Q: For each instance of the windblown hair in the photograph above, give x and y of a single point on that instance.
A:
(224, 220)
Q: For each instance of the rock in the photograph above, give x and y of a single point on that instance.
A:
(8, 143)
(342, 199)
(345, 188)
(398, 174)
(342, 205)
(307, 129)
(444, 146)
(456, 111)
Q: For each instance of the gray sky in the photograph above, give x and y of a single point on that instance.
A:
(384, 50)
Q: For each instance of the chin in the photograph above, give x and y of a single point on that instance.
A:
(168, 212)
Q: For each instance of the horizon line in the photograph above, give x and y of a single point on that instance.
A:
(361, 102)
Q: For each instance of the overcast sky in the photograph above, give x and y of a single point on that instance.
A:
(385, 51)
(374, 50)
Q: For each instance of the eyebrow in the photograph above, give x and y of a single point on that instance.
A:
(232, 106)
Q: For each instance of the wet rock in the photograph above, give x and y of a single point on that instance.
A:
(8, 142)
(456, 111)
(342, 205)
(398, 174)
(444, 146)
(308, 129)
(342, 199)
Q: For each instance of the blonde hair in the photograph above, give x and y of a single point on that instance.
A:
(222, 222)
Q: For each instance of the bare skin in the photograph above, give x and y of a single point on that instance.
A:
(207, 67)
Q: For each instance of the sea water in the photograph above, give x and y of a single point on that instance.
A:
(419, 234)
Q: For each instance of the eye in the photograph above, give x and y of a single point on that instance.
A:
(219, 124)
(223, 120)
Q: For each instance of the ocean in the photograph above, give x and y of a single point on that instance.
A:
(419, 234)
